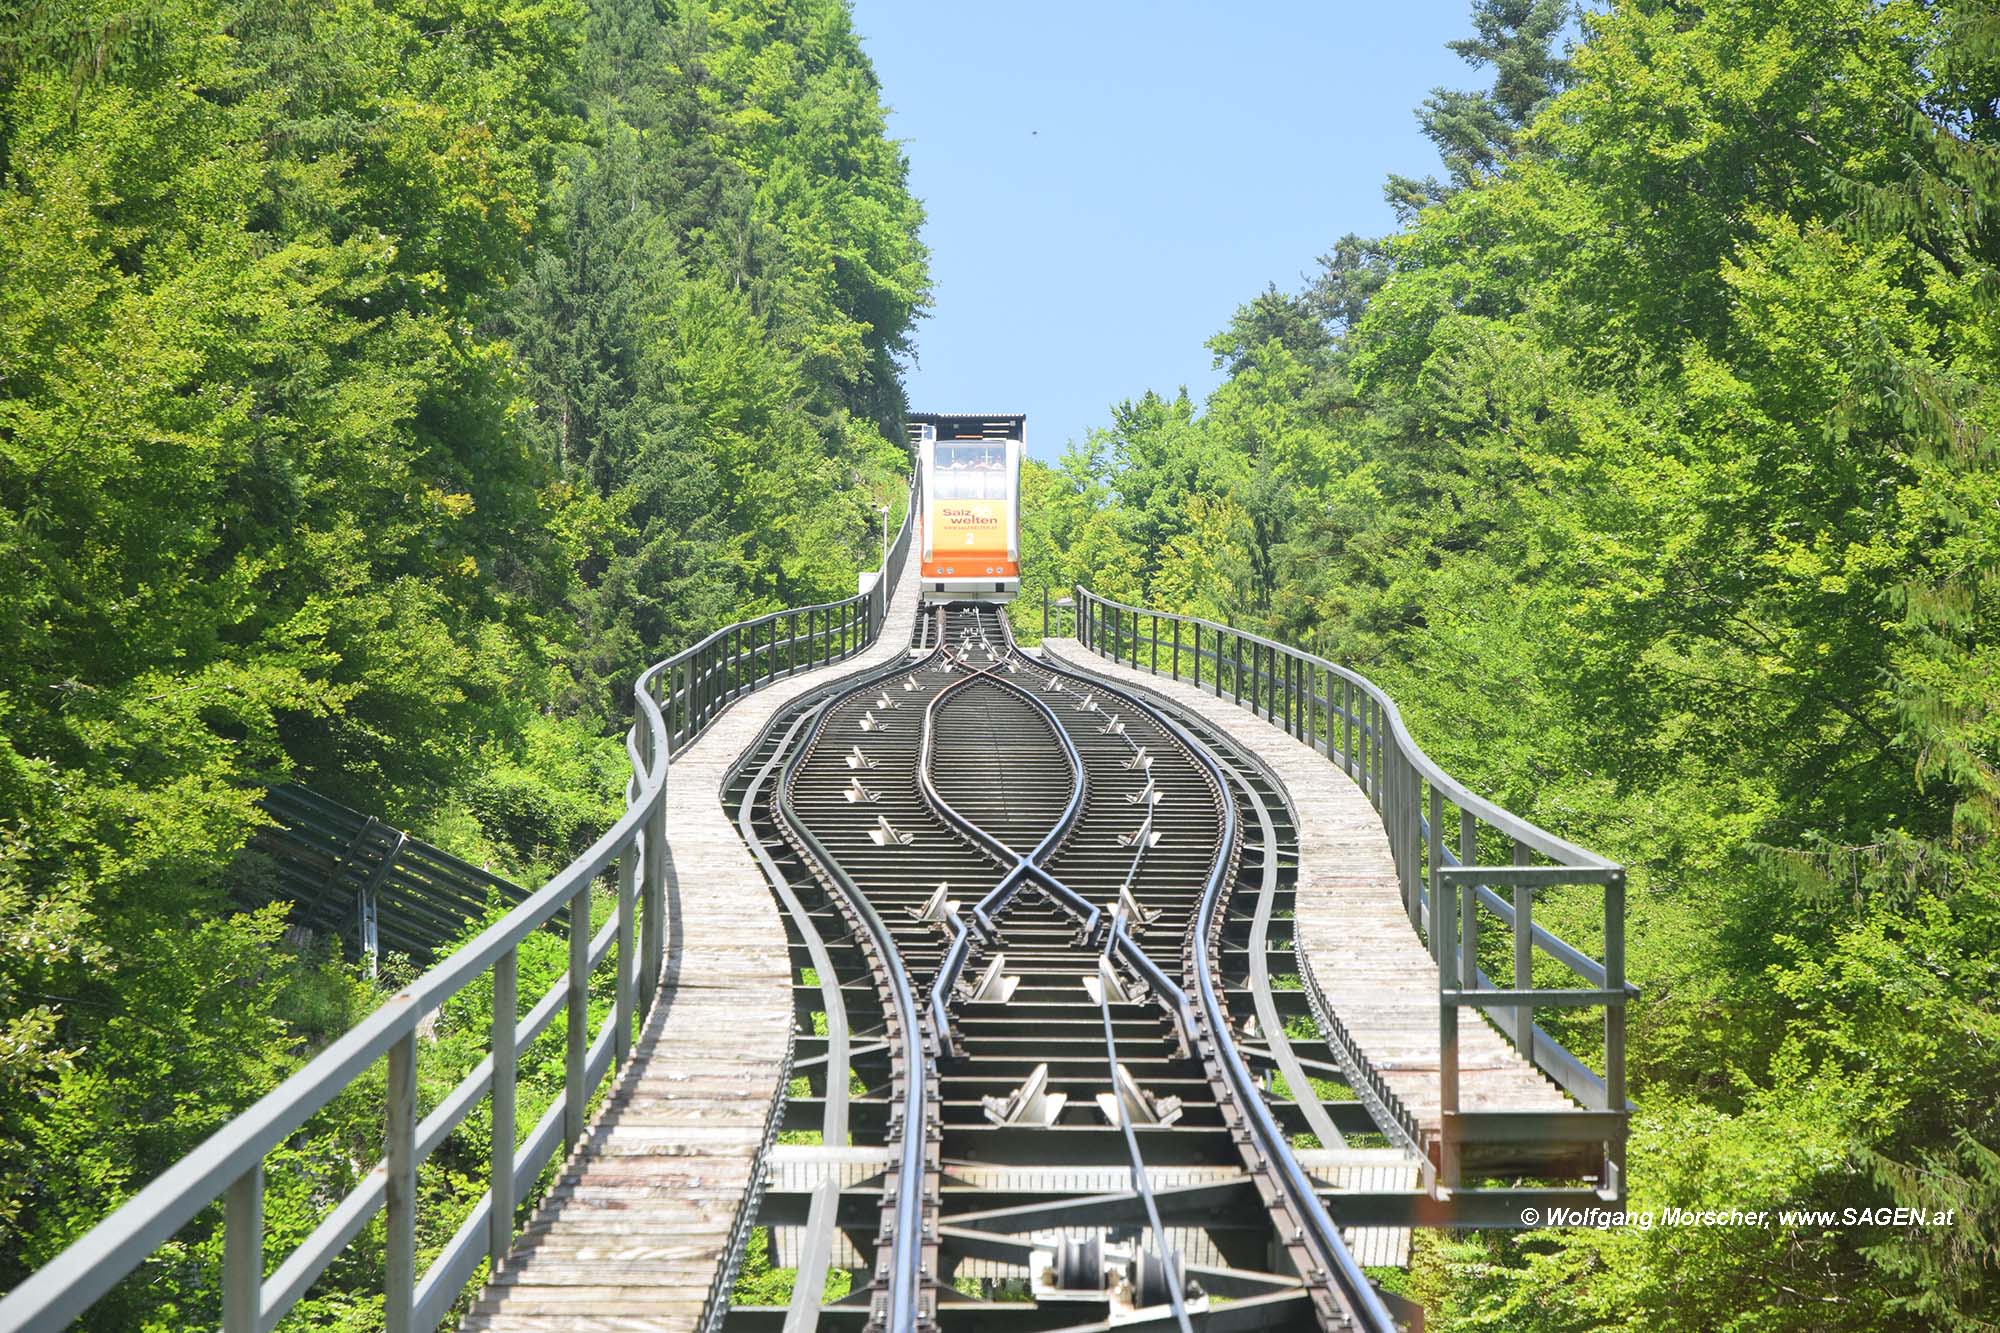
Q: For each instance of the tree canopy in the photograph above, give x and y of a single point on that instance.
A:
(1652, 468)
(382, 383)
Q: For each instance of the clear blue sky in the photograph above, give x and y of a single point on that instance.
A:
(1107, 180)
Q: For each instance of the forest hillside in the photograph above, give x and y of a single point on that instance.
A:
(1651, 467)
(382, 383)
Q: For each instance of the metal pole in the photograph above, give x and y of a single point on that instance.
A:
(1291, 724)
(1614, 1013)
(623, 987)
(1347, 725)
(1434, 844)
(653, 924)
(243, 1252)
(1177, 648)
(1524, 955)
(1447, 1049)
(1468, 949)
(576, 1097)
(506, 1007)
(399, 1142)
(1376, 739)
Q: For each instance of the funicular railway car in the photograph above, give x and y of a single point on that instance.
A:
(971, 467)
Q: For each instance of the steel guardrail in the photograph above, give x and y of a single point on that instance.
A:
(1320, 1232)
(674, 700)
(1359, 728)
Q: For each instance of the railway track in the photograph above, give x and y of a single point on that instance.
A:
(1038, 927)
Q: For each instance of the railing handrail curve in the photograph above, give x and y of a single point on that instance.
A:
(61, 1290)
(1498, 817)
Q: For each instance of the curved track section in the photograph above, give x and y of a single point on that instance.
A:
(1032, 918)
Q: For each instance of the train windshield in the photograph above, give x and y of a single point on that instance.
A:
(971, 470)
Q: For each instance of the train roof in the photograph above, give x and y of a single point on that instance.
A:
(970, 425)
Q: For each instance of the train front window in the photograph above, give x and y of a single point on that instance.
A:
(971, 470)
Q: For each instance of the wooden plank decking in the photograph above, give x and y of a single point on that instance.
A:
(1373, 969)
(633, 1232)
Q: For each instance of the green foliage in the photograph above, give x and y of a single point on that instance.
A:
(381, 383)
(711, 337)
(1652, 470)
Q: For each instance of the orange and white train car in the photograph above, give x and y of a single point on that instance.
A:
(971, 466)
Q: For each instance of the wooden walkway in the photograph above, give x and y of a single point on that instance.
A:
(1378, 979)
(635, 1230)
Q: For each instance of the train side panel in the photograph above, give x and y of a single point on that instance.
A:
(972, 507)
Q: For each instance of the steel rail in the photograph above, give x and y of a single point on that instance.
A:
(811, 1277)
(1025, 865)
(1411, 793)
(903, 1311)
(1204, 1028)
(1029, 865)
(1279, 1042)
(1319, 1230)
(1142, 1181)
(1358, 1295)
(812, 711)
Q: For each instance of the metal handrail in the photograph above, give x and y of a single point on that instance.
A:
(693, 686)
(1356, 724)
(718, 670)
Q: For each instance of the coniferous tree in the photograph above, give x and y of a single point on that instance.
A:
(1477, 132)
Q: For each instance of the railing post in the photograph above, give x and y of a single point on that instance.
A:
(506, 1013)
(1045, 611)
(1346, 725)
(243, 1252)
(1377, 743)
(1468, 947)
(624, 986)
(1434, 844)
(1177, 649)
(1322, 706)
(1524, 956)
(1156, 643)
(576, 1096)
(1614, 1012)
(399, 1144)
(1413, 836)
(1447, 928)
(653, 924)
(1197, 655)
(1236, 676)
(1291, 714)
(682, 698)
